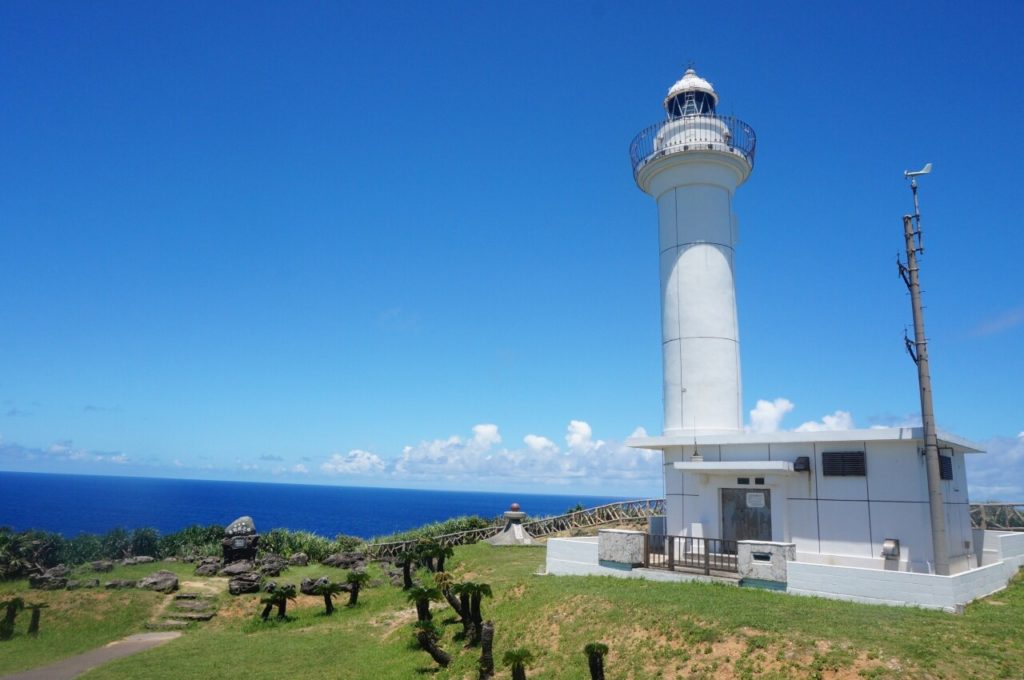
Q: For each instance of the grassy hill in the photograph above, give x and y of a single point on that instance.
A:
(653, 630)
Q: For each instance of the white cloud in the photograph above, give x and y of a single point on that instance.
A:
(596, 463)
(1011, 318)
(356, 462)
(300, 469)
(539, 444)
(766, 415)
(486, 435)
(840, 420)
(998, 474)
(579, 437)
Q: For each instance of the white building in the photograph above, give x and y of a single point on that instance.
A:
(839, 513)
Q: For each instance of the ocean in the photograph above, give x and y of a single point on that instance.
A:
(75, 504)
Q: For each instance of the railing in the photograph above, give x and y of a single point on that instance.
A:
(602, 514)
(704, 132)
(998, 516)
(686, 552)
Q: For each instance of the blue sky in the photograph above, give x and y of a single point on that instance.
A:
(400, 245)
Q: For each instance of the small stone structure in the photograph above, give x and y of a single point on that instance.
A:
(513, 533)
(621, 546)
(764, 560)
(240, 540)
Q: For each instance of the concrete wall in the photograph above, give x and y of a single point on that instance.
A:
(899, 588)
(844, 520)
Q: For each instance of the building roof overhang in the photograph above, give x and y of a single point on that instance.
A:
(879, 434)
(752, 467)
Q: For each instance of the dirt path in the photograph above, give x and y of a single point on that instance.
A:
(76, 665)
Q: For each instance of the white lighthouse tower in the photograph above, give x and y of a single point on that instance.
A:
(691, 163)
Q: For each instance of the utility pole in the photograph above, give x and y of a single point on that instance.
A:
(918, 350)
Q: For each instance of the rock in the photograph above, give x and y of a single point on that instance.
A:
(60, 571)
(208, 566)
(139, 559)
(309, 585)
(119, 584)
(170, 559)
(102, 565)
(248, 582)
(345, 560)
(84, 583)
(243, 526)
(272, 565)
(44, 582)
(299, 559)
(237, 568)
(161, 581)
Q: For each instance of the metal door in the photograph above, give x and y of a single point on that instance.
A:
(746, 515)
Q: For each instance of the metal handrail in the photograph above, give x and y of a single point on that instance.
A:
(601, 514)
(701, 132)
(690, 552)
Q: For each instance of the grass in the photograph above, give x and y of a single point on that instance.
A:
(653, 630)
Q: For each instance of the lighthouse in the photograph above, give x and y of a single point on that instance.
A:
(691, 163)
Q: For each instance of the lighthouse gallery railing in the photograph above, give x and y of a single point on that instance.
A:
(702, 132)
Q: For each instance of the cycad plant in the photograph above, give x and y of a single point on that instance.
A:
(595, 652)
(356, 580)
(278, 597)
(444, 582)
(329, 591)
(486, 651)
(518, 659)
(422, 596)
(33, 623)
(428, 634)
(11, 608)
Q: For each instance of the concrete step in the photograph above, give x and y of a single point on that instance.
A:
(192, 605)
(166, 624)
(194, 616)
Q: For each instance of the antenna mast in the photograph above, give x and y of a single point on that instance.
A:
(918, 351)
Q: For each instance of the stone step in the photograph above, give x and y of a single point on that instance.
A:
(166, 624)
(194, 616)
(193, 596)
(192, 605)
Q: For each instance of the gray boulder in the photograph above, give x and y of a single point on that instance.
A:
(208, 566)
(237, 568)
(272, 565)
(243, 526)
(102, 565)
(308, 586)
(138, 559)
(299, 559)
(248, 582)
(345, 560)
(161, 581)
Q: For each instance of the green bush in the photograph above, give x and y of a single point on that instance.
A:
(435, 529)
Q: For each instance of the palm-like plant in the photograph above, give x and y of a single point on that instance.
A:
(427, 634)
(33, 624)
(422, 596)
(518, 659)
(595, 652)
(11, 606)
(329, 591)
(278, 597)
(356, 580)
(407, 558)
(476, 592)
(486, 651)
(444, 582)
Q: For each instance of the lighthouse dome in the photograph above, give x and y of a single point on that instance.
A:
(691, 95)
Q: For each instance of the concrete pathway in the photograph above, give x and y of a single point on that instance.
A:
(76, 665)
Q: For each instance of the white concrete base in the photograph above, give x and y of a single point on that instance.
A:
(900, 588)
(578, 557)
